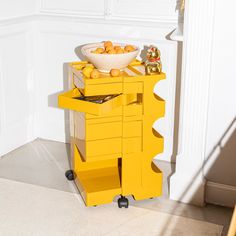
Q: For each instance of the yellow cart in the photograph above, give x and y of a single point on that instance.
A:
(113, 142)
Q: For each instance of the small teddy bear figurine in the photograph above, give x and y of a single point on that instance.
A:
(153, 63)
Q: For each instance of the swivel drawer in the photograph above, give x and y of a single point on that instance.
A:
(98, 139)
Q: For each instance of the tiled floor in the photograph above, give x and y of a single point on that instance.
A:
(44, 162)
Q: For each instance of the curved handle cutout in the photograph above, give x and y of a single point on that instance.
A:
(155, 168)
(158, 97)
(156, 134)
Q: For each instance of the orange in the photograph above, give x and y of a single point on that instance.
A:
(112, 51)
(114, 72)
(129, 48)
(108, 48)
(117, 47)
(95, 74)
(100, 50)
(120, 51)
(87, 71)
(108, 43)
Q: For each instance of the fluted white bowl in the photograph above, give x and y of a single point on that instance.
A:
(106, 62)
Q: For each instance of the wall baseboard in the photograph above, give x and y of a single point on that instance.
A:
(220, 194)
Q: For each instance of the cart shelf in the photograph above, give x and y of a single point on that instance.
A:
(102, 184)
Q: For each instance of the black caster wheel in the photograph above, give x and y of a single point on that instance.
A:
(123, 202)
(70, 175)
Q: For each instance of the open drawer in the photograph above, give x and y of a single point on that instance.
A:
(73, 100)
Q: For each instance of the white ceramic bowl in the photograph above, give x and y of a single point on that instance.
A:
(106, 62)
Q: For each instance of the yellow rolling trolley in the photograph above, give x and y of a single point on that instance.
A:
(112, 137)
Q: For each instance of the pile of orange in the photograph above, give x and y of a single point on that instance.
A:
(91, 72)
(109, 48)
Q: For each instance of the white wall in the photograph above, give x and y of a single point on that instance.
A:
(14, 8)
(153, 10)
(16, 86)
(64, 25)
(221, 132)
(17, 106)
(73, 7)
